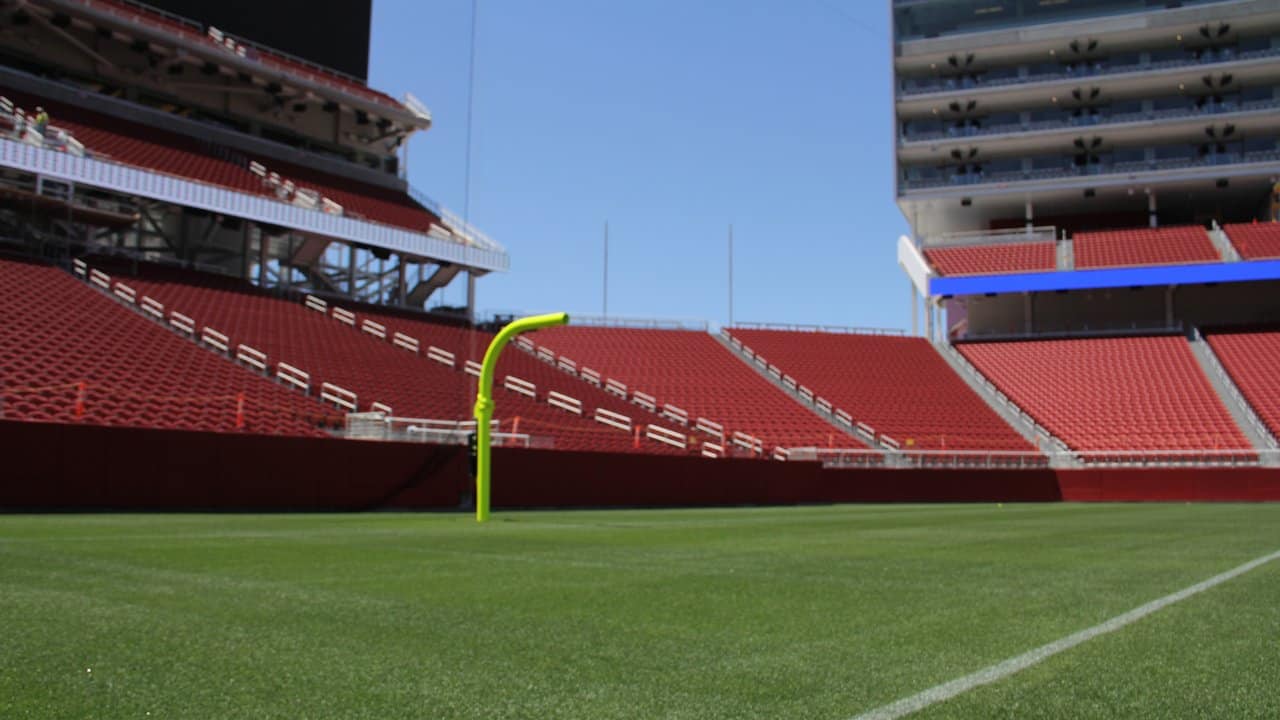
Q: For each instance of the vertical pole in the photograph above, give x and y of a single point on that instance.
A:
(351, 270)
(730, 274)
(471, 94)
(247, 248)
(605, 312)
(401, 280)
(1151, 208)
(264, 247)
(915, 310)
(471, 296)
(1030, 217)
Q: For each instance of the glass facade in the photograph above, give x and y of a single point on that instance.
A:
(917, 19)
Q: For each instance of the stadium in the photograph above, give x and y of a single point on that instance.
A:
(241, 424)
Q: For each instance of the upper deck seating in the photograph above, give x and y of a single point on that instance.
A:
(1144, 246)
(900, 386)
(691, 370)
(1112, 394)
(1255, 241)
(992, 259)
(59, 332)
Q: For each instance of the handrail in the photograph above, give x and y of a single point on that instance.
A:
(799, 327)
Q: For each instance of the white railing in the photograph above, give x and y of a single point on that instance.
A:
(293, 376)
(1013, 459)
(660, 434)
(377, 330)
(381, 408)
(712, 450)
(590, 376)
(182, 323)
(1259, 428)
(612, 419)
(444, 357)
(126, 293)
(615, 387)
(252, 357)
(714, 429)
(471, 367)
(567, 365)
(546, 356)
(153, 308)
(316, 304)
(518, 385)
(645, 400)
(215, 339)
(1039, 233)
(150, 184)
(798, 327)
(344, 316)
(747, 442)
(339, 396)
(401, 340)
(564, 402)
(99, 278)
(676, 414)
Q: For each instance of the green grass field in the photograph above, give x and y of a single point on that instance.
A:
(819, 612)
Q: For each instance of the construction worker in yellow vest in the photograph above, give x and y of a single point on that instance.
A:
(42, 120)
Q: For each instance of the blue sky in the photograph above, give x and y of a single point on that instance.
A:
(669, 120)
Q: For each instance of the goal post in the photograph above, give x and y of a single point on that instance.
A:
(484, 398)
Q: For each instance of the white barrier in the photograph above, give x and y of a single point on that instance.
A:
(781, 453)
(806, 393)
(126, 293)
(711, 428)
(823, 405)
(663, 435)
(776, 372)
(546, 356)
(525, 344)
(524, 387)
(590, 376)
(789, 381)
(344, 316)
(79, 267)
(675, 414)
(712, 450)
(182, 323)
(251, 357)
(471, 367)
(444, 357)
(748, 442)
(564, 402)
(615, 387)
(339, 396)
(99, 278)
(886, 441)
(316, 304)
(404, 341)
(380, 408)
(645, 400)
(294, 377)
(567, 365)
(844, 418)
(613, 419)
(152, 308)
(865, 431)
(761, 362)
(212, 337)
(377, 330)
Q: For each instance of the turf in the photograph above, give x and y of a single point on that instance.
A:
(737, 613)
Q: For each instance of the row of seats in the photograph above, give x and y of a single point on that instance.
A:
(58, 333)
(378, 371)
(993, 259)
(900, 386)
(1112, 248)
(1255, 241)
(691, 370)
(1103, 394)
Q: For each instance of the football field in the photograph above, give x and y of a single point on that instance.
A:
(951, 611)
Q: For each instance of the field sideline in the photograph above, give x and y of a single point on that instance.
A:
(814, 612)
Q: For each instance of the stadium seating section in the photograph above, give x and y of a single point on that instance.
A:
(1252, 359)
(378, 371)
(900, 386)
(693, 371)
(1104, 394)
(1255, 241)
(58, 332)
(993, 259)
(1144, 246)
(171, 153)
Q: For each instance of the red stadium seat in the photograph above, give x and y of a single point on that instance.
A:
(1138, 393)
(1144, 246)
(993, 259)
(1255, 241)
(1252, 359)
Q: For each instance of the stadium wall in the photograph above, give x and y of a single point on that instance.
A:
(85, 468)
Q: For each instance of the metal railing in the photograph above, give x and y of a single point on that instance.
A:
(800, 327)
(180, 191)
(1015, 460)
(1039, 233)
(911, 87)
(1215, 363)
(607, 321)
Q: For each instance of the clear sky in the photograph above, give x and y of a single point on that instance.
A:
(669, 119)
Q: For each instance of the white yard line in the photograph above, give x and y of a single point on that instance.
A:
(1001, 670)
